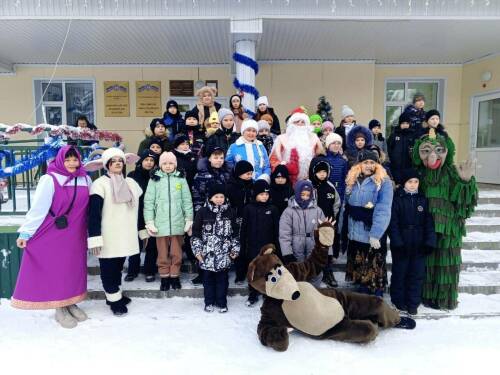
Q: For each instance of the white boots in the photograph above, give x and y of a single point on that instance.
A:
(68, 317)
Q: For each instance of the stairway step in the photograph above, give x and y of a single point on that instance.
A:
(483, 228)
(492, 200)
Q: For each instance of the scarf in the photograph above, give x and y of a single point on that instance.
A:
(121, 191)
(249, 151)
(57, 165)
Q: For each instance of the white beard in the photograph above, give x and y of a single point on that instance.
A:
(299, 137)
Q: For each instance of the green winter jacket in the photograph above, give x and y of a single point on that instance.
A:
(168, 203)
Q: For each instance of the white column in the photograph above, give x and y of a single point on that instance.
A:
(244, 73)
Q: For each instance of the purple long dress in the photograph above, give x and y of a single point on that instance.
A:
(53, 270)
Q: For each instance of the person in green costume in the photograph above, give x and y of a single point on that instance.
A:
(452, 194)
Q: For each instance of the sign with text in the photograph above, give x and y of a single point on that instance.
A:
(148, 98)
(116, 99)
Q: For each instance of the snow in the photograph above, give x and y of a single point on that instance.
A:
(480, 220)
(482, 237)
(488, 206)
(485, 193)
(175, 336)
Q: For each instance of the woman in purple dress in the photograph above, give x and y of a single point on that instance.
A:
(53, 273)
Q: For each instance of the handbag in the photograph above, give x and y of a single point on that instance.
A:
(62, 220)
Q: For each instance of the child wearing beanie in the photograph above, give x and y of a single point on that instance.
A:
(346, 124)
(239, 193)
(281, 188)
(194, 131)
(260, 226)
(316, 122)
(215, 244)
(359, 139)
(168, 214)
(337, 161)
(186, 159)
(378, 138)
(265, 135)
(326, 129)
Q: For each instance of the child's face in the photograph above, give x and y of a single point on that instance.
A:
(412, 184)
(419, 104)
(376, 130)
(348, 119)
(172, 110)
(305, 195)
(404, 125)
(262, 107)
(228, 122)
(216, 160)
(168, 167)
(191, 121)
(148, 163)
(326, 131)
(235, 102)
(250, 134)
(246, 176)
(218, 199)
(280, 180)
(214, 125)
(264, 132)
(433, 121)
(155, 148)
(321, 175)
(335, 147)
(160, 130)
(360, 142)
(184, 146)
(262, 197)
(316, 124)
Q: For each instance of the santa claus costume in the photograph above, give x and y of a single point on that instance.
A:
(296, 148)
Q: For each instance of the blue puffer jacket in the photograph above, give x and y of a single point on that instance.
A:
(339, 169)
(361, 194)
(258, 158)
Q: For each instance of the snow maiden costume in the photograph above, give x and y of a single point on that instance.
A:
(452, 194)
(53, 273)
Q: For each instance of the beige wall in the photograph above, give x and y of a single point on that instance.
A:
(360, 85)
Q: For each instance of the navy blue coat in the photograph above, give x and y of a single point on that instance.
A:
(399, 146)
(417, 116)
(412, 228)
(205, 177)
(339, 169)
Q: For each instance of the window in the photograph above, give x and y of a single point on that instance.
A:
(64, 101)
(399, 93)
(488, 124)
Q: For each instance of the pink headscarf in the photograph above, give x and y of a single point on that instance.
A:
(57, 165)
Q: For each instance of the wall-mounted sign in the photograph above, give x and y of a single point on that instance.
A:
(116, 99)
(148, 98)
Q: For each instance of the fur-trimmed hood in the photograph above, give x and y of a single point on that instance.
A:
(351, 137)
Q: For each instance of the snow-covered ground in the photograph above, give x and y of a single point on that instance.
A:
(175, 336)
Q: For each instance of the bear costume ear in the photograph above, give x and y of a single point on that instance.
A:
(268, 249)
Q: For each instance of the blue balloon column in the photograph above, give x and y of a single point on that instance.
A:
(245, 87)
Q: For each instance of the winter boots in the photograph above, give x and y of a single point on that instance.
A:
(119, 308)
(175, 282)
(165, 284)
(65, 319)
(329, 278)
(77, 313)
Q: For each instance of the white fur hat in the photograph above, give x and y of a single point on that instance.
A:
(262, 100)
(332, 137)
(110, 153)
(249, 123)
(299, 116)
(347, 111)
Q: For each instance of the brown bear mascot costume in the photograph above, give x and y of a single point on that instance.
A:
(292, 302)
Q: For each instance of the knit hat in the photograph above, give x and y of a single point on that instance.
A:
(147, 154)
(180, 139)
(332, 137)
(321, 165)
(346, 111)
(212, 149)
(280, 171)
(260, 186)
(418, 96)
(267, 118)
(432, 112)
(154, 122)
(214, 118)
(367, 155)
(374, 124)
(299, 116)
(155, 141)
(214, 189)
(223, 112)
(408, 174)
(166, 157)
(242, 167)
(172, 103)
(327, 125)
(315, 117)
(262, 100)
(110, 153)
(263, 124)
(405, 117)
(191, 113)
(300, 186)
(249, 124)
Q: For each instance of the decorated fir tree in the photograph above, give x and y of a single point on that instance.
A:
(325, 109)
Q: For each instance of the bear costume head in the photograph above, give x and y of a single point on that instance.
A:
(268, 275)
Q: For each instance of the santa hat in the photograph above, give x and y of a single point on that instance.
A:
(346, 111)
(262, 100)
(299, 116)
(300, 109)
(249, 124)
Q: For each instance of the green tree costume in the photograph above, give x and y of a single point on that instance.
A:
(452, 194)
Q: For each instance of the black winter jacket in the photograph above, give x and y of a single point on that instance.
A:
(399, 146)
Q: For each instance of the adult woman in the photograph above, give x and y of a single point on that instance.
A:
(53, 272)
(365, 216)
(238, 111)
(206, 105)
(249, 148)
(113, 214)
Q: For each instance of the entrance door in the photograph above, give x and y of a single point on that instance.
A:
(485, 136)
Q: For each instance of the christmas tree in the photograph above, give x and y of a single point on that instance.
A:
(325, 109)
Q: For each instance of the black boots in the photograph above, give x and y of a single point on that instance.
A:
(119, 308)
(329, 279)
(165, 284)
(175, 282)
